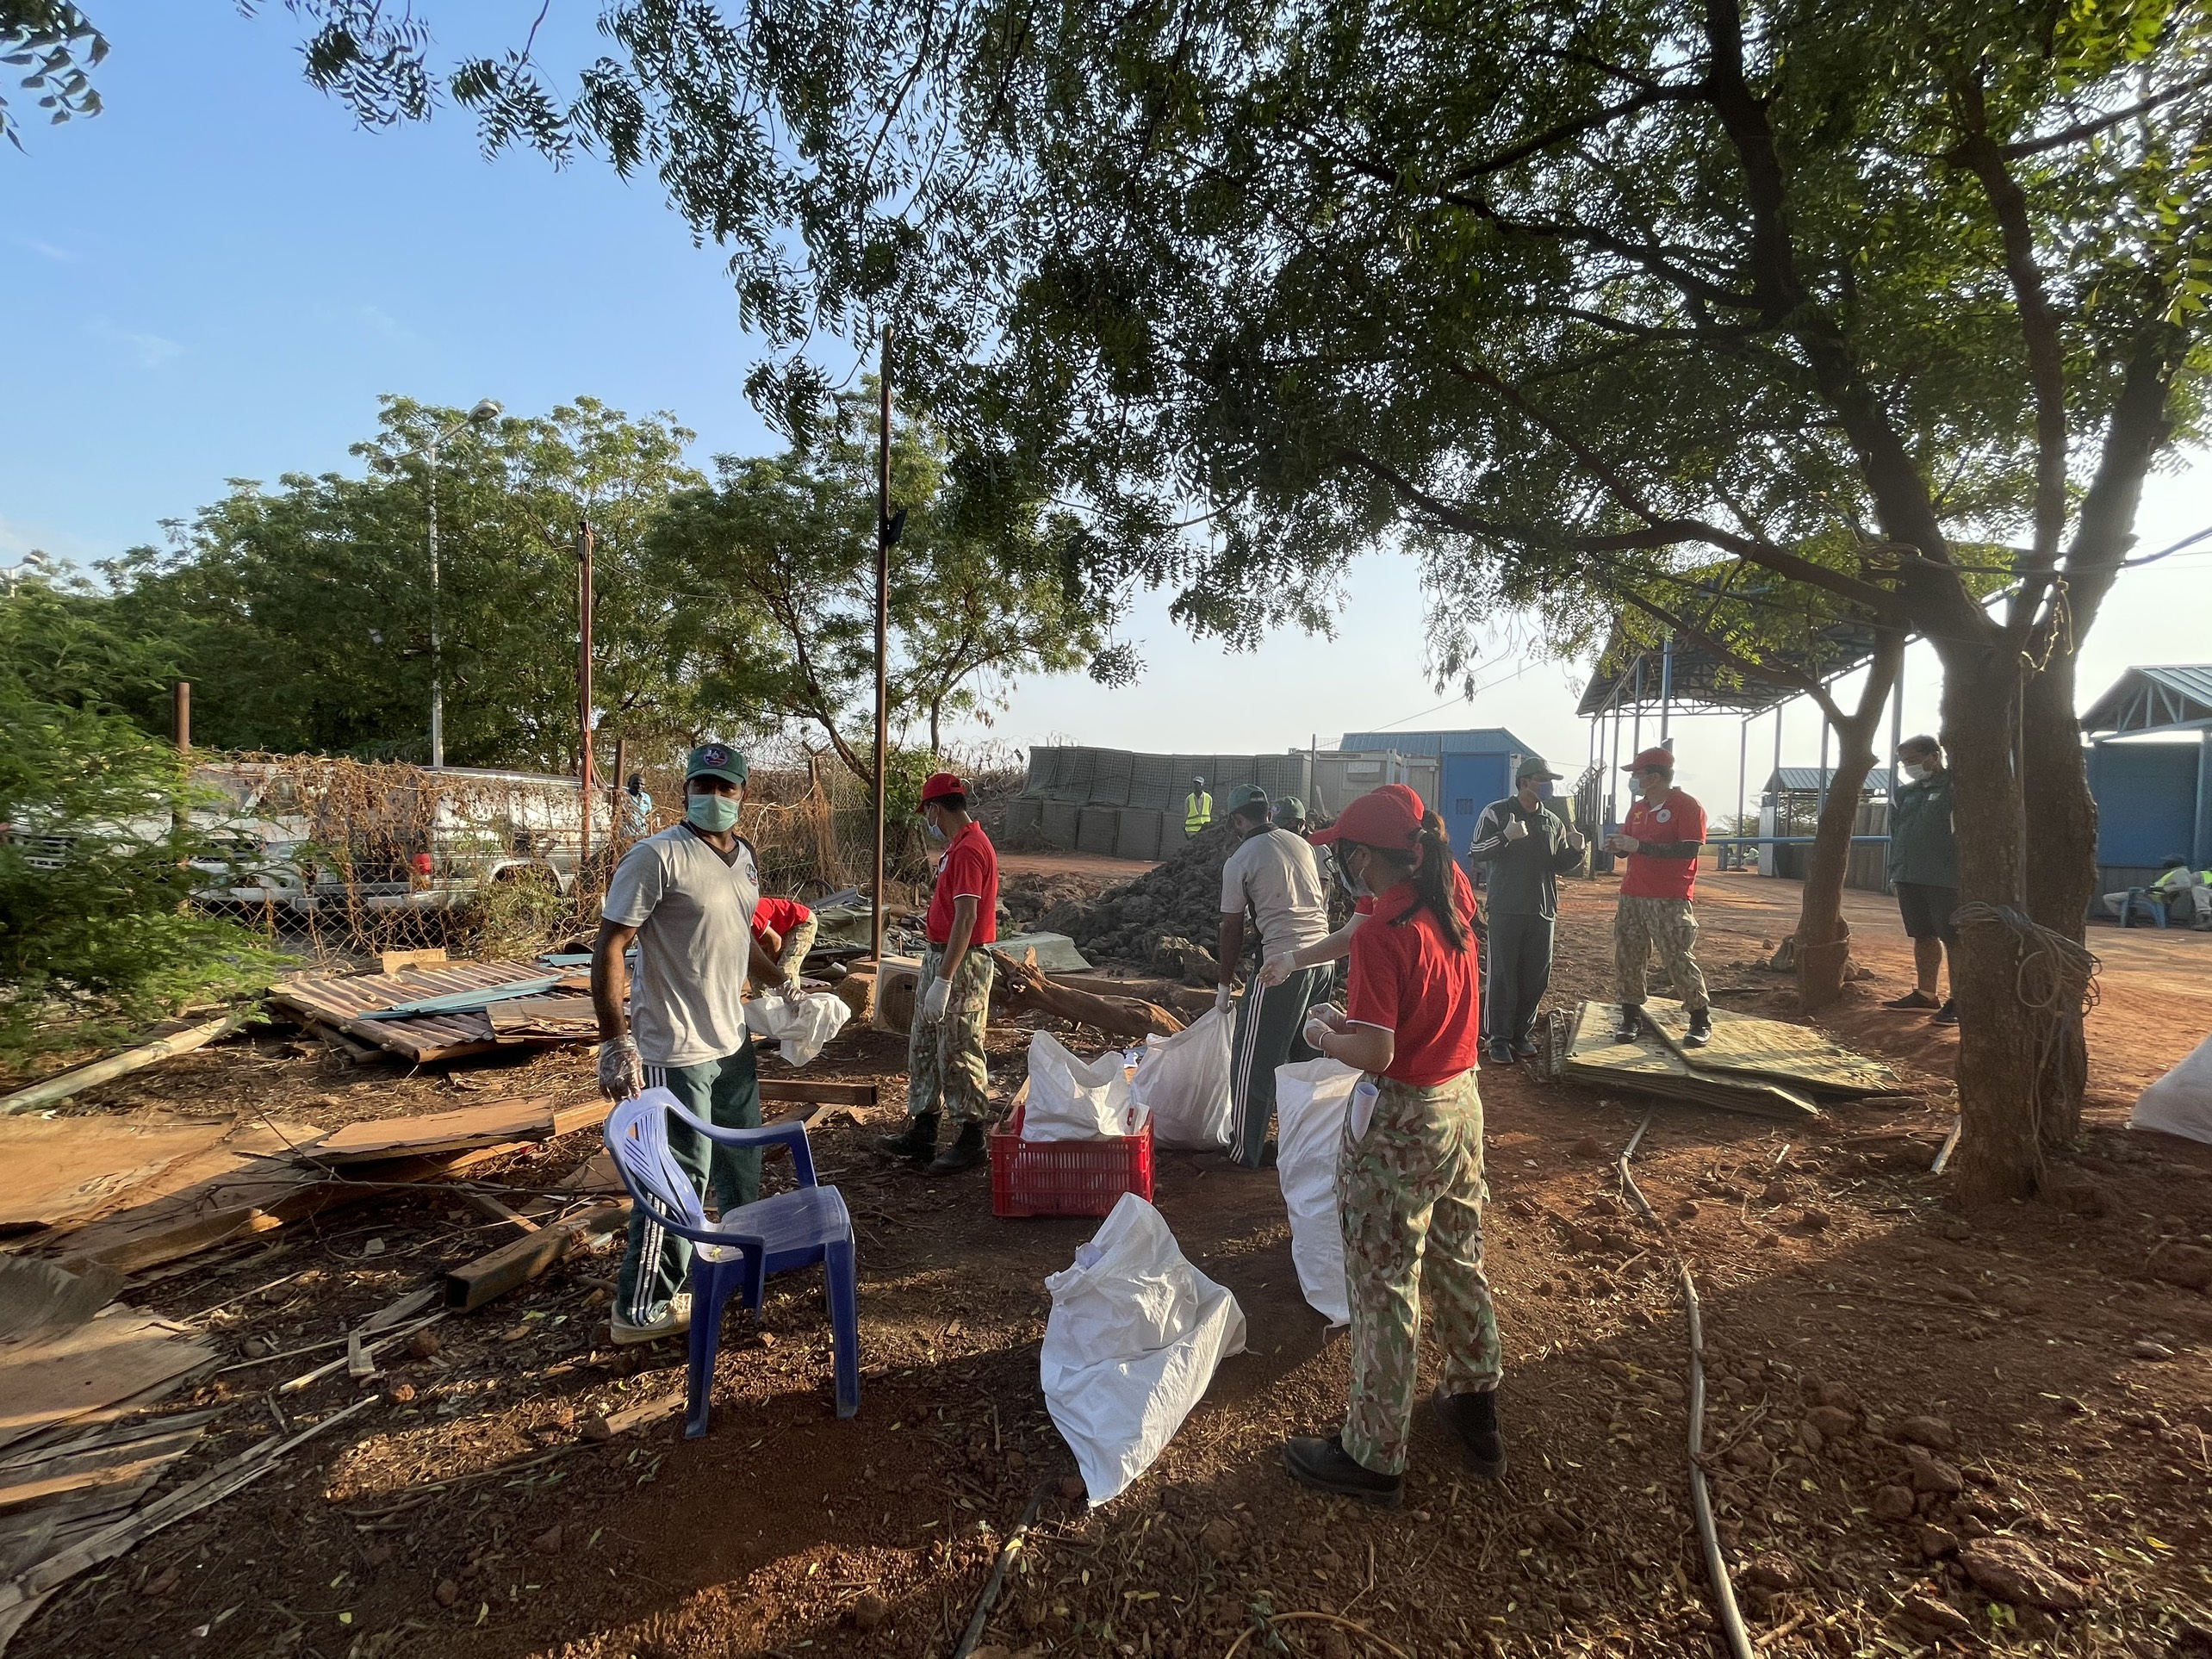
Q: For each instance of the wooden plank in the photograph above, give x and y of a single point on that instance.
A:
(620, 1422)
(391, 961)
(87, 1471)
(123, 1353)
(67, 1170)
(580, 1115)
(469, 1127)
(491, 1277)
(813, 1092)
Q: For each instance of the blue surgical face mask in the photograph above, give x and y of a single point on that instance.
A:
(1348, 881)
(716, 814)
(930, 824)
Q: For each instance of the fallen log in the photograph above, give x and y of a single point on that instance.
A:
(122, 1064)
(1128, 1018)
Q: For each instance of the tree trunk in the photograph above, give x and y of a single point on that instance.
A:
(1824, 938)
(2000, 1154)
(2061, 871)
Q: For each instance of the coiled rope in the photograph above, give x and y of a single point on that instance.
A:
(2054, 982)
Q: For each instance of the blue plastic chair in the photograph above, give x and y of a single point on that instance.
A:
(2150, 903)
(745, 1248)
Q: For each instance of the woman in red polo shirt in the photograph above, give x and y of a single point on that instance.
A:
(1409, 1174)
(786, 929)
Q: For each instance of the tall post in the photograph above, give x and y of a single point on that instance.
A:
(437, 660)
(1636, 721)
(1823, 779)
(882, 637)
(1774, 858)
(585, 783)
(1897, 724)
(614, 788)
(180, 715)
(1743, 779)
(1666, 689)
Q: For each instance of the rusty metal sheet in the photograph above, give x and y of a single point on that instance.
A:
(344, 1001)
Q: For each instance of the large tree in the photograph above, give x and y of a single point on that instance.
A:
(1540, 286)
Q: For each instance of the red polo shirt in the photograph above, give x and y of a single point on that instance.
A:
(1406, 979)
(968, 869)
(1678, 817)
(780, 916)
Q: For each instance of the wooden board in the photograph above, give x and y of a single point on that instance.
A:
(1648, 1065)
(70, 1169)
(1797, 1056)
(36, 1295)
(97, 1461)
(816, 1092)
(490, 1124)
(64, 1375)
(474, 1284)
(569, 1018)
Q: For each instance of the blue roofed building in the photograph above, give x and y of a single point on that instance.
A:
(1472, 769)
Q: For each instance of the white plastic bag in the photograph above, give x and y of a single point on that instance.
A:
(801, 1025)
(1072, 1099)
(1311, 1099)
(1132, 1342)
(2180, 1103)
(1183, 1082)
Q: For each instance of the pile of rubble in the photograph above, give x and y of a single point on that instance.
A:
(1165, 921)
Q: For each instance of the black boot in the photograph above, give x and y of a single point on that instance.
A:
(916, 1144)
(1326, 1466)
(1700, 1031)
(1473, 1418)
(1632, 1022)
(965, 1153)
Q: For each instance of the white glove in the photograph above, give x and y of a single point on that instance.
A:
(1278, 967)
(787, 989)
(1516, 829)
(1575, 841)
(936, 1000)
(1315, 1030)
(1220, 999)
(621, 1074)
(1328, 1014)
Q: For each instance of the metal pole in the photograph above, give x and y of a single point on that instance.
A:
(882, 637)
(1743, 777)
(1896, 721)
(1773, 858)
(614, 789)
(1666, 688)
(180, 707)
(1635, 725)
(1822, 806)
(584, 779)
(436, 661)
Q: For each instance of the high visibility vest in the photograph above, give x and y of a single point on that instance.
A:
(1197, 812)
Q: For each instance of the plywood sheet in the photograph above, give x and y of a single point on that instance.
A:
(51, 1379)
(1801, 1056)
(493, 1123)
(64, 1169)
(1648, 1065)
(570, 1019)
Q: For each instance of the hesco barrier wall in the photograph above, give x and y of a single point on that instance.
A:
(1117, 802)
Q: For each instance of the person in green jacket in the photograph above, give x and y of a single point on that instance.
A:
(1923, 872)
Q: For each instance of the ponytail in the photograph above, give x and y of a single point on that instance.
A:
(1427, 863)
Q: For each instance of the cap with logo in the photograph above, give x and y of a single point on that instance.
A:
(942, 784)
(1388, 817)
(1288, 808)
(717, 760)
(1244, 796)
(1663, 759)
(1533, 766)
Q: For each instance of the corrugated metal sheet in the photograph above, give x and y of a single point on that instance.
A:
(340, 1001)
(1481, 740)
(1811, 779)
(2147, 698)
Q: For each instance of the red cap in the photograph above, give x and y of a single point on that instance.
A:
(1661, 758)
(1388, 817)
(942, 783)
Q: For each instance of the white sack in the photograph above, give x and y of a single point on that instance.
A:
(801, 1025)
(2180, 1103)
(1183, 1082)
(1132, 1342)
(1311, 1099)
(1072, 1099)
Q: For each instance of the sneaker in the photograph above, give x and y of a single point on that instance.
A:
(917, 1144)
(1474, 1418)
(1632, 1022)
(1700, 1031)
(1326, 1466)
(1915, 997)
(965, 1153)
(1524, 1050)
(1946, 1015)
(673, 1320)
(1498, 1054)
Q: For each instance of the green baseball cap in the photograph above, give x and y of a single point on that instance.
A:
(1246, 795)
(717, 760)
(1289, 807)
(1534, 766)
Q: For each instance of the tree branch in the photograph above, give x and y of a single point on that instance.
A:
(2089, 129)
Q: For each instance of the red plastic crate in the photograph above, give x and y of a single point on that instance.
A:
(1066, 1178)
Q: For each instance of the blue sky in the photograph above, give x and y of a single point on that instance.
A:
(223, 273)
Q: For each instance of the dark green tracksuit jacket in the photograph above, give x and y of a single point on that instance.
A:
(1524, 901)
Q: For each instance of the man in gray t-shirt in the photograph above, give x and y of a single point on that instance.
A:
(1271, 877)
(686, 897)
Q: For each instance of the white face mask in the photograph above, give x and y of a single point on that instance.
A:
(1914, 770)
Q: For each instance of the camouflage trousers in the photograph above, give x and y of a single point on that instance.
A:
(796, 943)
(1409, 1195)
(1670, 926)
(944, 1060)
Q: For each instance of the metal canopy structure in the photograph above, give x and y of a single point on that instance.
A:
(2176, 697)
(1633, 678)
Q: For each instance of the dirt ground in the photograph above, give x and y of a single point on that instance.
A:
(468, 1513)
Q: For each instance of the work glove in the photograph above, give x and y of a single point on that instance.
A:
(1575, 841)
(1315, 1030)
(1516, 829)
(1221, 995)
(936, 1000)
(621, 1074)
(1278, 967)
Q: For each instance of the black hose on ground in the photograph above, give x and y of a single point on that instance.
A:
(1007, 1552)
(1723, 1592)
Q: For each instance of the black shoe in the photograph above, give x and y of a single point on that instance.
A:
(965, 1153)
(1632, 1022)
(1524, 1050)
(1700, 1031)
(1326, 1466)
(1473, 1418)
(917, 1145)
(1498, 1054)
(1946, 1015)
(1915, 997)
